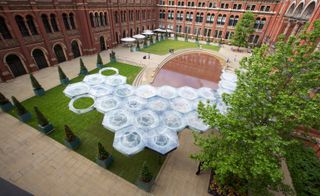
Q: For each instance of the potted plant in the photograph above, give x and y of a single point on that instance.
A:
(83, 69)
(112, 56)
(71, 140)
(43, 123)
(99, 61)
(104, 159)
(23, 114)
(145, 180)
(63, 78)
(37, 88)
(5, 104)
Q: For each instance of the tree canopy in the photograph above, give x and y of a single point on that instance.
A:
(243, 30)
(272, 98)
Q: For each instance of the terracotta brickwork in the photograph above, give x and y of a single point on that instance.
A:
(41, 33)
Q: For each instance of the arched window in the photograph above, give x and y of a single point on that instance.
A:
(92, 20)
(72, 23)
(262, 22)
(106, 18)
(97, 19)
(22, 26)
(5, 33)
(231, 20)
(46, 23)
(309, 10)
(39, 58)
(236, 19)
(54, 23)
(257, 23)
(219, 20)
(15, 65)
(31, 25)
(75, 49)
(290, 10)
(102, 19)
(65, 21)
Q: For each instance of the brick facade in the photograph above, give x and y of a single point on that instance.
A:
(40, 33)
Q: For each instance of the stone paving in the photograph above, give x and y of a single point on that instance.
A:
(43, 166)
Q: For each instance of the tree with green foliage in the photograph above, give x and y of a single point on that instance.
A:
(102, 153)
(99, 59)
(82, 66)
(3, 99)
(271, 100)
(62, 75)
(19, 107)
(243, 30)
(34, 82)
(145, 175)
(70, 136)
(42, 120)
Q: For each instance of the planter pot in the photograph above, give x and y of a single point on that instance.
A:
(105, 163)
(65, 81)
(83, 72)
(73, 144)
(145, 185)
(99, 66)
(39, 91)
(46, 129)
(7, 107)
(25, 117)
(113, 59)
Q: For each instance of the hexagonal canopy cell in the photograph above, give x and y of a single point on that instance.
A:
(129, 141)
(158, 104)
(84, 110)
(220, 91)
(94, 79)
(146, 91)
(106, 104)
(173, 120)
(135, 103)
(195, 123)
(117, 119)
(146, 120)
(167, 92)
(207, 93)
(115, 80)
(204, 101)
(162, 141)
(225, 84)
(181, 105)
(188, 93)
(229, 76)
(76, 89)
(101, 90)
(115, 70)
(222, 107)
(123, 91)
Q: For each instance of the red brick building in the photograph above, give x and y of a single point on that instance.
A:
(35, 34)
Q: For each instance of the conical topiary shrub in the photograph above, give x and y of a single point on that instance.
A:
(5, 104)
(21, 111)
(104, 159)
(99, 61)
(63, 78)
(45, 126)
(71, 140)
(37, 88)
(145, 180)
(83, 69)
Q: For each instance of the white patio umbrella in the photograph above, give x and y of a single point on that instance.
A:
(139, 36)
(147, 32)
(128, 39)
(159, 30)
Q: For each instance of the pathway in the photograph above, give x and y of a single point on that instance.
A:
(43, 166)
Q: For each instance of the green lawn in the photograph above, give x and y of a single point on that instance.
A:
(88, 127)
(162, 47)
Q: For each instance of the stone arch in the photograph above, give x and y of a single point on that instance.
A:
(308, 10)
(76, 48)
(291, 8)
(39, 55)
(15, 63)
(59, 50)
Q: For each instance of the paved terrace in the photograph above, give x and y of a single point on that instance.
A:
(42, 166)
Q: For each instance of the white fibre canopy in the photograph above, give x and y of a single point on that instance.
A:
(195, 123)
(124, 91)
(188, 93)
(147, 32)
(146, 91)
(117, 119)
(167, 92)
(105, 104)
(181, 105)
(139, 36)
(115, 80)
(173, 120)
(128, 39)
(94, 79)
(100, 90)
(76, 89)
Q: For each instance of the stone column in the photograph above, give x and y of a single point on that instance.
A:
(287, 28)
(295, 29)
